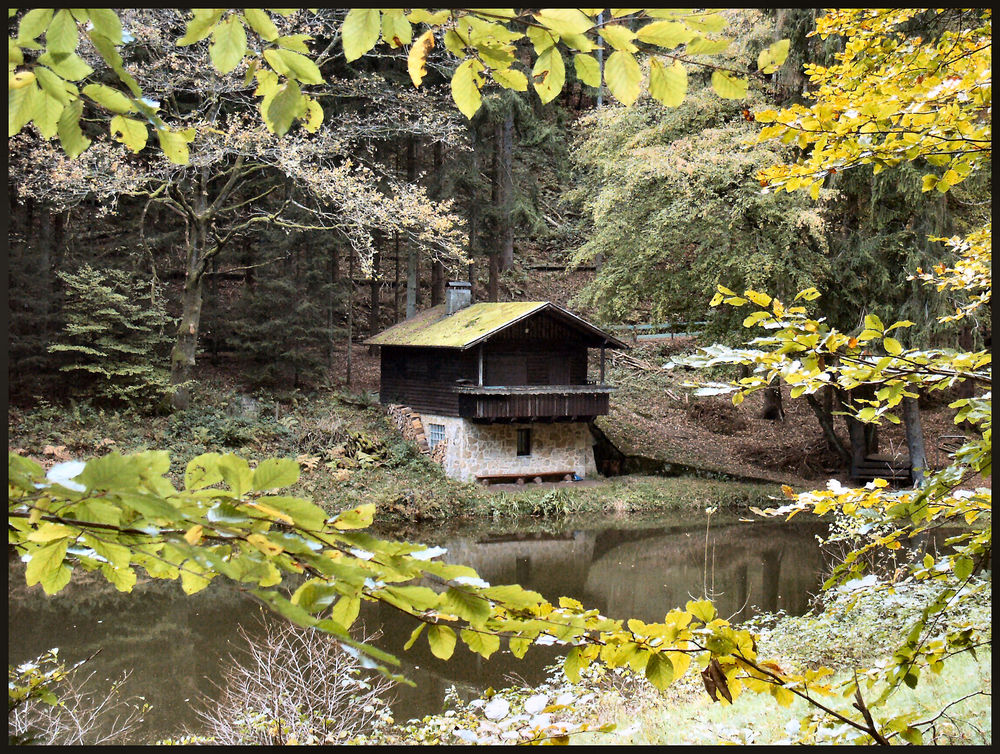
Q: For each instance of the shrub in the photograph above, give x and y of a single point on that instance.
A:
(114, 340)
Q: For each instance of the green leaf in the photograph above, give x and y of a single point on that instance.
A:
(622, 75)
(708, 22)
(45, 562)
(123, 579)
(470, 607)
(728, 86)
(71, 136)
(193, 579)
(294, 66)
(109, 98)
(564, 20)
(175, 144)
(202, 471)
(771, 58)
(200, 25)
(872, 322)
(619, 37)
(345, 612)
(703, 610)
(21, 103)
(34, 22)
(229, 44)
(106, 23)
(69, 65)
(236, 474)
(261, 23)
(667, 34)
(549, 74)
(659, 670)
(274, 473)
(305, 513)
(703, 46)
(480, 643)
(465, 87)
(47, 112)
(396, 30)
(62, 36)
(130, 132)
(356, 518)
(414, 636)
(588, 70)
(510, 78)
(962, 567)
(360, 31)
(519, 646)
(442, 641)
(667, 84)
(573, 664)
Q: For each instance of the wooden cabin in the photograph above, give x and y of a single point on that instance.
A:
(502, 385)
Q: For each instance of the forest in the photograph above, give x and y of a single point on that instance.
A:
(784, 217)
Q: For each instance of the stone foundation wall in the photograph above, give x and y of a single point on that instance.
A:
(479, 449)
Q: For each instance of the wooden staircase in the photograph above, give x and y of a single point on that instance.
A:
(895, 472)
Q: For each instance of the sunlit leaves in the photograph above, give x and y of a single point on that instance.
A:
(442, 641)
(771, 57)
(130, 132)
(892, 97)
(416, 61)
(465, 86)
(360, 32)
(729, 86)
(623, 76)
(229, 44)
(549, 74)
(667, 84)
(666, 34)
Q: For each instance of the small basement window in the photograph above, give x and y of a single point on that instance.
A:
(435, 434)
(524, 442)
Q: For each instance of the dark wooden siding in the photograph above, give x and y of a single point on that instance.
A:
(425, 378)
(524, 405)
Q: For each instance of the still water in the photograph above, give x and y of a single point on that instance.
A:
(175, 645)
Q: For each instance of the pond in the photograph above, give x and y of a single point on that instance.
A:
(175, 645)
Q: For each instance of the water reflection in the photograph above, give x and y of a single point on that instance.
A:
(175, 644)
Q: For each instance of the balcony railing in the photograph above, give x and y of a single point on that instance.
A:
(533, 402)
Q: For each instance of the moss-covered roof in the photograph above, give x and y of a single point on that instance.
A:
(434, 329)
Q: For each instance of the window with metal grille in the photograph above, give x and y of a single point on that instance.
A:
(524, 442)
(435, 434)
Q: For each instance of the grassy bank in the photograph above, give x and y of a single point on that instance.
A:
(349, 454)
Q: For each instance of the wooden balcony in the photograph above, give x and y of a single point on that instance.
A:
(526, 403)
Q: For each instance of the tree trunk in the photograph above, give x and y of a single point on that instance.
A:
(182, 357)
(505, 182)
(773, 410)
(915, 440)
(493, 282)
(438, 273)
(412, 256)
(350, 312)
(824, 416)
(373, 308)
(855, 432)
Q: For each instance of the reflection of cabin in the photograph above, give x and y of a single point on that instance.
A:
(502, 385)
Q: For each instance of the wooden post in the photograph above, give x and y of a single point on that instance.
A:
(480, 365)
(601, 380)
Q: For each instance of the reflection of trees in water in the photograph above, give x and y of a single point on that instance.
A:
(171, 642)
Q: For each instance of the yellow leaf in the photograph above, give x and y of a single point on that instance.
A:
(417, 59)
(193, 535)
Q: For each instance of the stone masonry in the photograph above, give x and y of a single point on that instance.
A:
(472, 449)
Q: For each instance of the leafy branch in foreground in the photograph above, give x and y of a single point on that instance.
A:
(45, 77)
(117, 514)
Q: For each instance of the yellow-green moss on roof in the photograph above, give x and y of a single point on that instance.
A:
(432, 328)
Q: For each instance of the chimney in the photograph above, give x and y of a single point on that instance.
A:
(457, 296)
